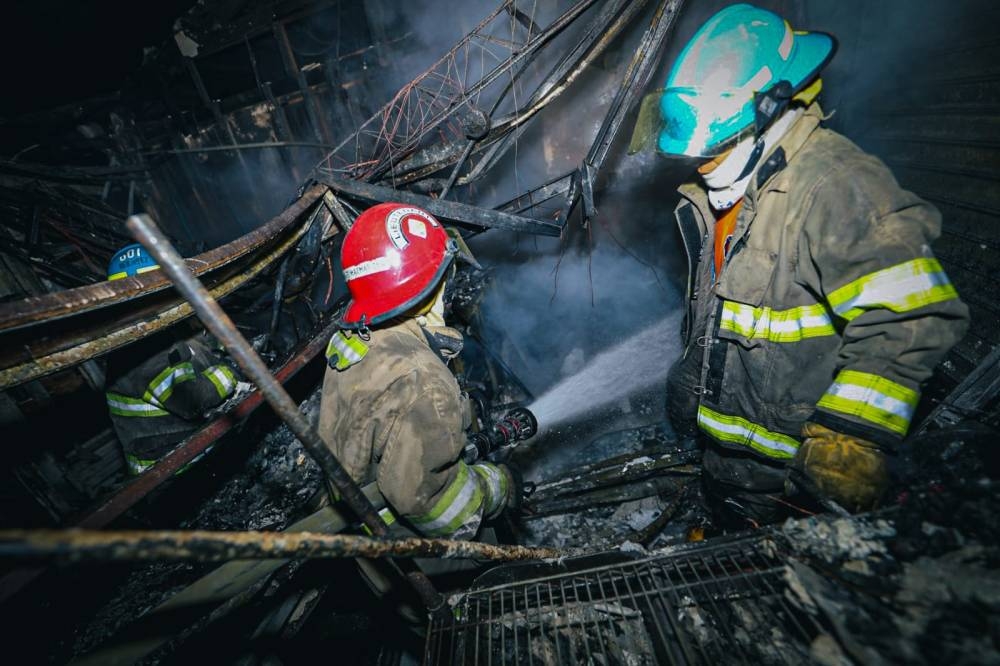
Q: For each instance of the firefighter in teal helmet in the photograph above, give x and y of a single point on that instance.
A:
(159, 389)
(816, 307)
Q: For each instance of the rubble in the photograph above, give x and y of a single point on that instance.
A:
(272, 490)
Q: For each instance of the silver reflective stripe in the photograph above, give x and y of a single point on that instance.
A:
(737, 430)
(872, 398)
(344, 349)
(179, 373)
(124, 406)
(223, 379)
(900, 288)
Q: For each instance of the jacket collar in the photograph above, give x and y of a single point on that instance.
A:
(771, 175)
(445, 341)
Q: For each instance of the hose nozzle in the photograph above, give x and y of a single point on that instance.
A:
(515, 426)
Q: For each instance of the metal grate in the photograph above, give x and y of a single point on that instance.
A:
(711, 603)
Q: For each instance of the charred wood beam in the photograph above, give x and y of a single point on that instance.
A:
(639, 467)
(445, 210)
(47, 356)
(86, 299)
(206, 546)
(339, 211)
(625, 492)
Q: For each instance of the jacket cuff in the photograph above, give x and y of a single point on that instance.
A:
(496, 486)
(885, 440)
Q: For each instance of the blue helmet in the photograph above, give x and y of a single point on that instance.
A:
(130, 260)
(716, 90)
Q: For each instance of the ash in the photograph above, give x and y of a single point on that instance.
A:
(918, 583)
(271, 491)
(273, 488)
(609, 526)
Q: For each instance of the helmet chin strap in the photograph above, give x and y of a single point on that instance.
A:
(728, 182)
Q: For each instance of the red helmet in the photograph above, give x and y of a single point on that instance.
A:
(393, 258)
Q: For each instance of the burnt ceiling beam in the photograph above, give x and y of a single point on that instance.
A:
(50, 307)
(445, 210)
(124, 498)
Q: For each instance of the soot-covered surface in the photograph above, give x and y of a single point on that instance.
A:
(271, 490)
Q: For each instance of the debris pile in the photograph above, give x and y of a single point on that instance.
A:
(271, 491)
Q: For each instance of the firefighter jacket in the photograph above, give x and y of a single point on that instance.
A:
(830, 306)
(160, 400)
(392, 412)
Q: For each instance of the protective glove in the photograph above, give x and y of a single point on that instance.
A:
(849, 470)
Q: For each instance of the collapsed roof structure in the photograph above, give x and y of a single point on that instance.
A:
(303, 114)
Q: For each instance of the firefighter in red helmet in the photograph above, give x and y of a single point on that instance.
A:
(392, 411)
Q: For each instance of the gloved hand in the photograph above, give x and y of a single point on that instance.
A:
(849, 470)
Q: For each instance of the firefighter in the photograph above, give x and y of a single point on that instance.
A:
(158, 391)
(391, 410)
(816, 308)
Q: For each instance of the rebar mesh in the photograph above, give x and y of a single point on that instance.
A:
(716, 603)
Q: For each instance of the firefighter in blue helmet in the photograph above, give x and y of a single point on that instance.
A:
(816, 307)
(158, 391)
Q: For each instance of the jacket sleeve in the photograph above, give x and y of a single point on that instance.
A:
(194, 380)
(866, 250)
(423, 477)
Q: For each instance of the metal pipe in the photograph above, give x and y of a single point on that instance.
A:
(221, 326)
(209, 546)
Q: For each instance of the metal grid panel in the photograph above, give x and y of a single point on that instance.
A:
(716, 603)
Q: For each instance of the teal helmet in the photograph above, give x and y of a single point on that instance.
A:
(130, 260)
(714, 92)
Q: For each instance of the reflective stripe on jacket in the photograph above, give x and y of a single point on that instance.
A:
(831, 306)
(392, 412)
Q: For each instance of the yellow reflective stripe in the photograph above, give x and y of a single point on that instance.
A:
(738, 430)
(222, 378)
(900, 288)
(123, 405)
(137, 465)
(792, 325)
(118, 276)
(495, 483)
(162, 386)
(873, 398)
(387, 516)
(460, 502)
(348, 350)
